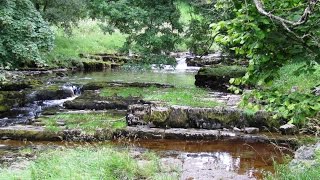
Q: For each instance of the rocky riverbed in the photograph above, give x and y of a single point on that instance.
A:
(163, 108)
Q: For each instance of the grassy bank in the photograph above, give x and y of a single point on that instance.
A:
(88, 163)
(87, 122)
(87, 37)
(195, 97)
(300, 171)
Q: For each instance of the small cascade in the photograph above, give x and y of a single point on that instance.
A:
(181, 65)
(38, 101)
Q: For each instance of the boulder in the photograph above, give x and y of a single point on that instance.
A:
(189, 117)
(91, 100)
(217, 77)
(251, 130)
(289, 129)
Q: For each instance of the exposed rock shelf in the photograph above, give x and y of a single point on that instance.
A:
(201, 118)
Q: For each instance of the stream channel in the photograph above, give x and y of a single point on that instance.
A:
(198, 159)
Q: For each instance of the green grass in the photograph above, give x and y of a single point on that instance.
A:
(194, 97)
(303, 81)
(86, 38)
(88, 122)
(301, 171)
(85, 163)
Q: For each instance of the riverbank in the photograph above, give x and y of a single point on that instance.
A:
(97, 106)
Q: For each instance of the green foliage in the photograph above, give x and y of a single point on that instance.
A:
(294, 107)
(87, 38)
(24, 35)
(84, 163)
(152, 26)
(62, 13)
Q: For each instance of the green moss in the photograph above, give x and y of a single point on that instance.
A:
(194, 97)
(88, 122)
(221, 71)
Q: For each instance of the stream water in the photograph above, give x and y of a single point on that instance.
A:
(249, 158)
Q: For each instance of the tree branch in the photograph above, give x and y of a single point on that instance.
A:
(304, 17)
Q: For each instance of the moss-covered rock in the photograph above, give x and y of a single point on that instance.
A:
(92, 100)
(100, 85)
(19, 85)
(8, 99)
(201, 118)
(93, 65)
(217, 77)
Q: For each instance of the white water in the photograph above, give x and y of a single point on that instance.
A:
(181, 66)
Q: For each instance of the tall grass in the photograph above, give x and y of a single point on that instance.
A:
(84, 163)
(291, 76)
(87, 37)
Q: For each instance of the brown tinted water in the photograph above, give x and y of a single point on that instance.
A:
(238, 156)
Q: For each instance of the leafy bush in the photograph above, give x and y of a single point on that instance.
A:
(24, 35)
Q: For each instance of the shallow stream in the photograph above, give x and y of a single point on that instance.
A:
(240, 157)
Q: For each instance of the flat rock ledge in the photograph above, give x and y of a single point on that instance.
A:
(200, 118)
(39, 133)
(144, 132)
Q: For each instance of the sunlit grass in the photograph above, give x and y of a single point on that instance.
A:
(85, 163)
(290, 76)
(87, 122)
(302, 170)
(86, 38)
(194, 97)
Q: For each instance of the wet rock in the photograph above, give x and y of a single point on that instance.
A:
(178, 116)
(114, 58)
(100, 85)
(28, 132)
(289, 129)
(92, 100)
(189, 117)
(305, 157)
(251, 130)
(10, 99)
(42, 95)
(18, 85)
(95, 65)
(235, 129)
(210, 59)
(217, 78)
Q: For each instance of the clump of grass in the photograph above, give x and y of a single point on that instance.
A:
(290, 76)
(301, 171)
(194, 97)
(84, 163)
(88, 122)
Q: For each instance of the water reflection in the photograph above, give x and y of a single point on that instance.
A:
(230, 155)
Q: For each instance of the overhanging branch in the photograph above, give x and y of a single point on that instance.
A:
(304, 17)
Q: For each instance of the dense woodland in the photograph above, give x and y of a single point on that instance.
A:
(279, 40)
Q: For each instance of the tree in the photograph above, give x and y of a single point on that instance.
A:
(152, 27)
(61, 12)
(24, 35)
